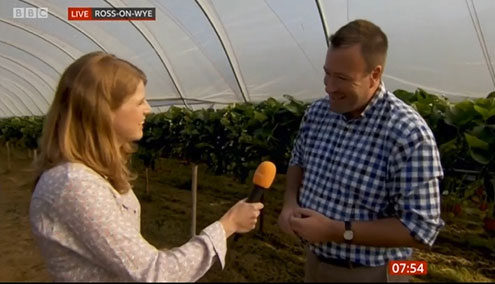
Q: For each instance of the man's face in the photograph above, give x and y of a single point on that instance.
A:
(347, 83)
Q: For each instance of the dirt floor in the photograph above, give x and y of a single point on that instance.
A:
(461, 253)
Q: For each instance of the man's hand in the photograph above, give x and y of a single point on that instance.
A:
(284, 219)
(311, 225)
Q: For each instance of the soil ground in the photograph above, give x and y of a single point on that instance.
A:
(463, 252)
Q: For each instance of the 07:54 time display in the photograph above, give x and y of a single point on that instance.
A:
(407, 267)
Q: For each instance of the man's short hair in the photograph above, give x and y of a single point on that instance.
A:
(372, 39)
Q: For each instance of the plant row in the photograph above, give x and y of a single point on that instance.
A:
(235, 139)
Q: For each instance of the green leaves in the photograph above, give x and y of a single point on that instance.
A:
(485, 107)
(478, 149)
(406, 96)
(23, 131)
(233, 140)
(476, 143)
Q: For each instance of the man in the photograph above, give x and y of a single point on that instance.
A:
(363, 180)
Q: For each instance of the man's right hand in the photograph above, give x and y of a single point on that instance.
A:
(294, 180)
(284, 219)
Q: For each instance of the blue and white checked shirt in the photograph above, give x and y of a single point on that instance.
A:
(383, 164)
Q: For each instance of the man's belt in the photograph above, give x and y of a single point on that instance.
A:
(340, 262)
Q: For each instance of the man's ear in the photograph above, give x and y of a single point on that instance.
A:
(376, 75)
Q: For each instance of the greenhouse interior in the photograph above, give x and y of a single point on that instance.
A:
(228, 83)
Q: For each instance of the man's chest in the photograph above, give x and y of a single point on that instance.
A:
(347, 162)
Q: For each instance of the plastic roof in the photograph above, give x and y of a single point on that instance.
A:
(208, 53)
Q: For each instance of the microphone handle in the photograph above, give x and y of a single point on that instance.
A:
(255, 195)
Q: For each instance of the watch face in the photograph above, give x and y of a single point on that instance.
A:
(348, 235)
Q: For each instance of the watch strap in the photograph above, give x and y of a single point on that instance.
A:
(347, 225)
(348, 231)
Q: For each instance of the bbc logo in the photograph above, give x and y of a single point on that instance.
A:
(30, 13)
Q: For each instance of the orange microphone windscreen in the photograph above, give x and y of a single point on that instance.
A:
(265, 174)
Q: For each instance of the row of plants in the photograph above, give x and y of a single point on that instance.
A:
(235, 139)
(232, 140)
(22, 131)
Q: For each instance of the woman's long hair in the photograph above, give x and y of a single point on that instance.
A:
(78, 126)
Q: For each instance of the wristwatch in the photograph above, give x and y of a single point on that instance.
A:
(348, 233)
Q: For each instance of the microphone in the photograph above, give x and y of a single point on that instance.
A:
(262, 180)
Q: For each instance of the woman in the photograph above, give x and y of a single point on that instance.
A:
(83, 213)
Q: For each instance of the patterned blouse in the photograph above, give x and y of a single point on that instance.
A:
(87, 231)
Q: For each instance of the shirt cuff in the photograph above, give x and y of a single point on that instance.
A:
(296, 161)
(216, 233)
(424, 231)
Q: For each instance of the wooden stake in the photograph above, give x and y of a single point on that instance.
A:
(194, 190)
(9, 166)
(147, 182)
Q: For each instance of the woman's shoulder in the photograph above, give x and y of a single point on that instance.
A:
(55, 180)
(70, 171)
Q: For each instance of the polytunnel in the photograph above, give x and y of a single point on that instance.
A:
(210, 53)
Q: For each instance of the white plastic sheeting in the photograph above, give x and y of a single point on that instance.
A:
(208, 53)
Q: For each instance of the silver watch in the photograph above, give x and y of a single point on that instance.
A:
(348, 233)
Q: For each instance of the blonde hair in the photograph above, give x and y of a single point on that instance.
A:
(78, 126)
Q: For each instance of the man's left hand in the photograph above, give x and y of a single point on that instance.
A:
(312, 226)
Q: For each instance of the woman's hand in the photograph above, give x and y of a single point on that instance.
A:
(241, 218)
